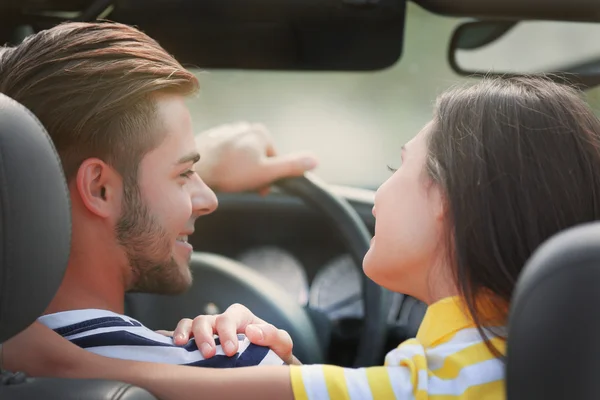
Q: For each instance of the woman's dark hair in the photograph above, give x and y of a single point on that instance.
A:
(519, 161)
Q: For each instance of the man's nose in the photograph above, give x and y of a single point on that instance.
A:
(204, 200)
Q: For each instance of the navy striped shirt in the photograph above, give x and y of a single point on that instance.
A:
(118, 336)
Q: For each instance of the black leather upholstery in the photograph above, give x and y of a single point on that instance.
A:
(35, 239)
(35, 223)
(554, 329)
(72, 389)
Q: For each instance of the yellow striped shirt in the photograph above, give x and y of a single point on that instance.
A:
(448, 360)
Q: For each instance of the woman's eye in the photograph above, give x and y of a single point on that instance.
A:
(392, 169)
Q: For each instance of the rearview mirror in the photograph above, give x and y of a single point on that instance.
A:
(568, 50)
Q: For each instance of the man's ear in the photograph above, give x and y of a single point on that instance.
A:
(99, 187)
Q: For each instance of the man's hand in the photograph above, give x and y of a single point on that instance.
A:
(236, 319)
(239, 157)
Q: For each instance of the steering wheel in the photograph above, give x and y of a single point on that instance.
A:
(356, 239)
(218, 280)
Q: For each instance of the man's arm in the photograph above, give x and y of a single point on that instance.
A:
(241, 157)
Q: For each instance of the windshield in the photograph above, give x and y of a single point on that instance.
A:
(354, 122)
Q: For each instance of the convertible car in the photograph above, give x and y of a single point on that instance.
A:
(351, 80)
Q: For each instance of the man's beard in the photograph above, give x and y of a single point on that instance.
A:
(149, 249)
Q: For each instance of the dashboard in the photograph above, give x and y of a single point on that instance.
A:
(335, 290)
(289, 243)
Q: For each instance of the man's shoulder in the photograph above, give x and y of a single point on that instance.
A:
(73, 322)
(93, 328)
(119, 336)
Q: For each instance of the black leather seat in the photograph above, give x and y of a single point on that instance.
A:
(35, 235)
(554, 328)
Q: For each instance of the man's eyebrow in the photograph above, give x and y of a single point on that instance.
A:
(192, 157)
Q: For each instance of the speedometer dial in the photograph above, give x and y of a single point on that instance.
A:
(337, 290)
(281, 267)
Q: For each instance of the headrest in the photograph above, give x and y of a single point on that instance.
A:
(554, 326)
(35, 219)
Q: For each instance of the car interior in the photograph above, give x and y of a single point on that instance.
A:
(294, 257)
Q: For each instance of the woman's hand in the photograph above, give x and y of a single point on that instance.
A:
(236, 319)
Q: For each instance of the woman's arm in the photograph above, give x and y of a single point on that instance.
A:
(188, 383)
(49, 355)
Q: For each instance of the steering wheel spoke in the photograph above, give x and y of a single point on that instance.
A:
(356, 238)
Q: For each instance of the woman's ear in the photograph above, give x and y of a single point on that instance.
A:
(98, 186)
(438, 202)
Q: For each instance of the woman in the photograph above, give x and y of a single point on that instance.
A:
(503, 165)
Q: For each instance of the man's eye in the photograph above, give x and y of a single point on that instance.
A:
(187, 174)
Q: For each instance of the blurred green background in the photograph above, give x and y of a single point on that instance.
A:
(354, 122)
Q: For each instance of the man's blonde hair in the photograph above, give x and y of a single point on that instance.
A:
(91, 85)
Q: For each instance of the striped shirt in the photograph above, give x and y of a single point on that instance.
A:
(118, 336)
(448, 360)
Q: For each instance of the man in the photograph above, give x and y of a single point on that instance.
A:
(113, 102)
